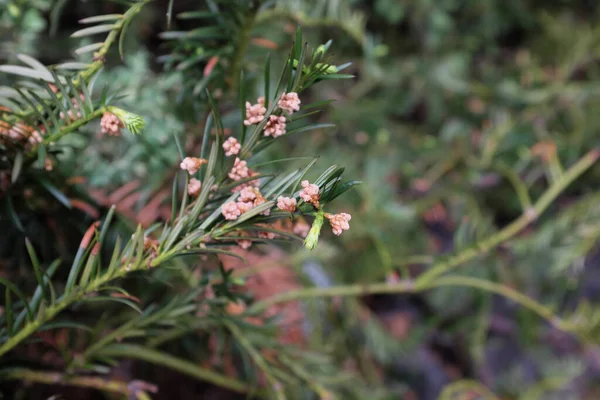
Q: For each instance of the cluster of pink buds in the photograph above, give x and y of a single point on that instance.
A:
(249, 198)
(310, 193)
(110, 124)
(255, 113)
(194, 187)
(230, 210)
(244, 243)
(240, 171)
(339, 222)
(289, 102)
(192, 164)
(286, 203)
(231, 147)
(275, 126)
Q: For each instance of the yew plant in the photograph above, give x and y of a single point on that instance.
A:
(220, 201)
(92, 282)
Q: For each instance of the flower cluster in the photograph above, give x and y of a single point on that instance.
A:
(232, 147)
(230, 210)
(250, 195)
(310, 193)
(240, 171)
(192, 164)
(249, 198)
(276, 124)
(286, 203)
(111, 124)
(194, 187)
(255, 113)
(244, 243)
(289, 102)
(339, 222)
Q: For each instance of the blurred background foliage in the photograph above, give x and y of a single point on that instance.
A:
(453, 102)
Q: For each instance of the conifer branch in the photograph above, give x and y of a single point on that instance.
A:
(138, 389)
(516, 226)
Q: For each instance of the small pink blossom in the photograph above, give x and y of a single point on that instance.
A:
(339, 222)
(231, 147)
(248, 194)
(301, 228)
(110, 124)
(289, 102)
(276, 126)
(194, 187)
(260, 200)
(253, 196)
(310, 193)
(239, 170)
(245, 206)
(244, 243)
(249, 198)
(230, 210)
(286, 203)
(255, 113)
(192, 164)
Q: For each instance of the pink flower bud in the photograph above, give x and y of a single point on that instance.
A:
(230, 211)
(231, 147)
(192, 164)
(289, 102)
(276, 126)
(310, 193)
(110, 124)
(286, 203)
(194, 187)
(255, 113)
(239, 170)
(339, 222)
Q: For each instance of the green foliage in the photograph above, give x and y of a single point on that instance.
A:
(197, 229)
(469, 130)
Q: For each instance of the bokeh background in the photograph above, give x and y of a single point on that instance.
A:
(451, 100)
